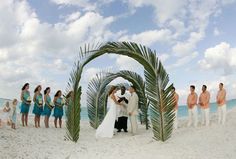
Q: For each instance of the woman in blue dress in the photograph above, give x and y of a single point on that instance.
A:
(25, 105)
(48, 106)
(38, 105)
(58, 110)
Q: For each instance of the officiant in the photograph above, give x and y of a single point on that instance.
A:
(122, 97)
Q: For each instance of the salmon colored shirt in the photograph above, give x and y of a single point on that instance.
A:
(192, 100)
(176, 98)
(221, 97)
(204, 100)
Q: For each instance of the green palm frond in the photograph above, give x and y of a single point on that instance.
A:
(97, 96)
(157, 90)
(96, 100)
(74, 107)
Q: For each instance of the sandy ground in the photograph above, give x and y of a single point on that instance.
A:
(213, 142)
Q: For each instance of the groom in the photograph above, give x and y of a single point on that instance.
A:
(133, 109)
(122, 96)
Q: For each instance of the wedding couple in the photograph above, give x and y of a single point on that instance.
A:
(120, 106)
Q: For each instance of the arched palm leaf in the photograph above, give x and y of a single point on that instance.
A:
(157, 89)
(97, 97)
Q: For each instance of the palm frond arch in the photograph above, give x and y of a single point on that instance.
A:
(157, 86)
(97, 94)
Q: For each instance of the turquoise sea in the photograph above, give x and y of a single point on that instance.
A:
(182, 111)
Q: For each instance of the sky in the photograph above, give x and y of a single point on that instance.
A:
(40, 40)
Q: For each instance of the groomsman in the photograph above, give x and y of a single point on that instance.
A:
(192, 106)
(204, 102)
(176, 100)
(133, 109)
(221, 101)
(123, 97)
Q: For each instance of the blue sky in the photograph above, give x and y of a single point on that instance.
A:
(39, 40)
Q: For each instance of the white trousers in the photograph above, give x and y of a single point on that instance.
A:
(176, 120)
(222, 114)
(205, 116)
(134, 124)
(192, 116)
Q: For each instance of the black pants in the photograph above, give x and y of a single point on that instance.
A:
(121, 123)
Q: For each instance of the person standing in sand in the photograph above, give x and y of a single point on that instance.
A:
(106, 128)
(204, 102)
(133, 109)
(38, 105)
(58, 110)
(25, 105)
(176, 100)
(48, 106)
(192, 106)
(221, 102)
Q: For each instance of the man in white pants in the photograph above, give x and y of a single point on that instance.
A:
(133, 109)
(204, 102)
(221, 101)
(176, 100)
(192, 107)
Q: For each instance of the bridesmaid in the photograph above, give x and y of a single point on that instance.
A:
(48, 106)
(25, 105)
(58, 111)
(38, 105)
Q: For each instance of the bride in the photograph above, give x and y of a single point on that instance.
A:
(106, 129)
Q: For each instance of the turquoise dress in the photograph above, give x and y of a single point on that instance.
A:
(47, 108)
(13, 118)
(38, 105)
(24, 106)
(58, 110)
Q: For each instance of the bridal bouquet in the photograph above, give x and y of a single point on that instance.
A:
(51, 104)
(40, 101)
(28, 99)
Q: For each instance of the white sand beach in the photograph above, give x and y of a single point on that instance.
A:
(213, 142)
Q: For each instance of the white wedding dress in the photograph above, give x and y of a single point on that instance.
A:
(106, 129)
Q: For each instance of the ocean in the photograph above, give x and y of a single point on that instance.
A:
(182, 111)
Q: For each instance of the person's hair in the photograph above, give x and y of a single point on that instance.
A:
(111, 90)
(25, 85)
(221, 84)
(204, 86)
(37, 88)
(123, 87)
(14, 101)
(133, 87)
(173, 88)
(193, 87)
(46, 90)
(57, 94)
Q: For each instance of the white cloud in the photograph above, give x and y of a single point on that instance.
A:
(149, 37)
(39, 52)
(221, 57)
(162, 13)
(183, 60)
(85, 4)
(127, 63)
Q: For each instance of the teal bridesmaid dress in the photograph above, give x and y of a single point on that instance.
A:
(38, 105)
(24, 106)
(58, 110)
(47, 108)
